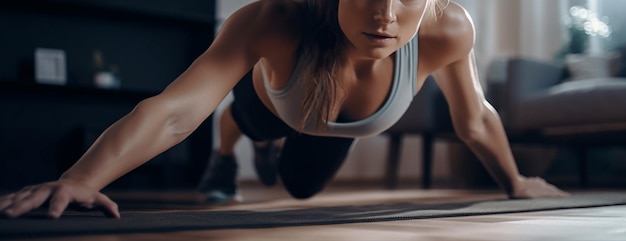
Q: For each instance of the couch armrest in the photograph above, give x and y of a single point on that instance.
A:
(524, 77)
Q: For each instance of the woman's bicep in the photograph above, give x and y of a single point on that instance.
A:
(197, 92)
(457, 77)
(461, 86)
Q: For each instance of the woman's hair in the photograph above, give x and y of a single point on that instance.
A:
(322, 54)
(435, 7)
(323, 57)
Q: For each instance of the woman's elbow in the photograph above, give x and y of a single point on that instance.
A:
(165, 113)
(153, 107)
(470, 129)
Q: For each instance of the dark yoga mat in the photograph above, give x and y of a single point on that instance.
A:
(33, 225)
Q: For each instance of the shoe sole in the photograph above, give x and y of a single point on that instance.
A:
(220, 198)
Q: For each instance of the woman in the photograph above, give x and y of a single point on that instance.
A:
(327, 71)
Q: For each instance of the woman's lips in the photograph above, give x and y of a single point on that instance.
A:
(378, 38)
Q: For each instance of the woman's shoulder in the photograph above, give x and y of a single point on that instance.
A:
(448, 35)
(450, 24)
(271, 21)
(262, 28)
(285, 13)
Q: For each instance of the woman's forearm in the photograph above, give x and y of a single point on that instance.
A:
(490, 144)
(134, 139)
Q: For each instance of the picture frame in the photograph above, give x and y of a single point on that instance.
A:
(50, 66)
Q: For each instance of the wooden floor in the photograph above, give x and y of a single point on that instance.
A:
(602, 223)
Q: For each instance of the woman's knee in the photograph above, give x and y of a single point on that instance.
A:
(305, 178)
(308, 163)
(303, 190)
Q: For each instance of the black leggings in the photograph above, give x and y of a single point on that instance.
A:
(307, 162)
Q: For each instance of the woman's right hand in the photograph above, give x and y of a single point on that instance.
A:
(535, 187)
(60, 195)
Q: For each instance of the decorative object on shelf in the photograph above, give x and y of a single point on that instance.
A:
(50, 66)
(582, 25)
(107, 78)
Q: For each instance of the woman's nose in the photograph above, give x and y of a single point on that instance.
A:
(385, 13)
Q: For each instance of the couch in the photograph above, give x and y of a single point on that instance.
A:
(539, 104)
(543, 103)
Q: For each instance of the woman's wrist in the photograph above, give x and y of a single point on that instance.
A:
(77, 178)
(517, 185)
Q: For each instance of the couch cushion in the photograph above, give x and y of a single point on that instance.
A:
(594, 101)
(586, 67)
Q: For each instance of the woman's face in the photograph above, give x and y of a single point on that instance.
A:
(377, 28)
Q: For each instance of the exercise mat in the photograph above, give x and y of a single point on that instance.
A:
(37, 225)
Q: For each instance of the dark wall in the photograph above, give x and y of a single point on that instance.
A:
(44, 128)
(150, 43)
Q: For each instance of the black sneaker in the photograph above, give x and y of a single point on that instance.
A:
(265, 163)
(219, 181)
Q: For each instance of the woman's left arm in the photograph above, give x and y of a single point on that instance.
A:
(475, 121)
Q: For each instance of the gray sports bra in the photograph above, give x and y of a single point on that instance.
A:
(287, 100)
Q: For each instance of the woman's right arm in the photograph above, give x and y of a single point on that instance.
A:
(153, 126)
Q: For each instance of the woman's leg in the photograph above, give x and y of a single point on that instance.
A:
(219, 180)
(307, 162)
(229, 133)
(261, 126)
(248, 115)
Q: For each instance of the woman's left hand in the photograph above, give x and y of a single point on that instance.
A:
(535, 187)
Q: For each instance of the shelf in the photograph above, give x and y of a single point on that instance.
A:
(152, 41)
(73, 91)
(161, 11)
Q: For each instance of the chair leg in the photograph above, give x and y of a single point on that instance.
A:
(427, 159)
(393, 160)
(582, 167)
